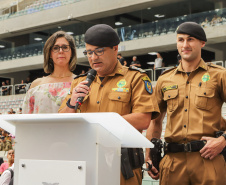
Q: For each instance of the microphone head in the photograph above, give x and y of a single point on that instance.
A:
(92, 74)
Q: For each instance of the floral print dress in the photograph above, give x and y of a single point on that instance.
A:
(45, 98)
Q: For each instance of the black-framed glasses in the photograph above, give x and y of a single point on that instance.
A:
(98, 52)
(56, 48)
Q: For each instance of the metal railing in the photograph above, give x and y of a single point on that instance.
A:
(139, 31)
(33, 7)
(7, 90)
(220, 63)
(14, 89)
(150, 73)
(162, 70)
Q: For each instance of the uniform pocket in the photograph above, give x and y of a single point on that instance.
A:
(171, 96)
(119, 96)
(119, 101)
(203, 98)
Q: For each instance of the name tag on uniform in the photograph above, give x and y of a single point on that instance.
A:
(171, 87)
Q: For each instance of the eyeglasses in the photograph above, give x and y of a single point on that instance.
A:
(98, 52)
(56, 48)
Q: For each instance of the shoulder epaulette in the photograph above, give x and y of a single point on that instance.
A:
(168, 70)
(215, 66)
(81, 75)
(137, 69)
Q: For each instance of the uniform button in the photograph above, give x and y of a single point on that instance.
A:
(169, 96)
(187, 82)
(98, 102)
(204, 93)
(184, 126)
(187, 97)
(102, 85)
(119, 97)
(186, 110)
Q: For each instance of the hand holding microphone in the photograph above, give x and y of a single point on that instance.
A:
(82, 89)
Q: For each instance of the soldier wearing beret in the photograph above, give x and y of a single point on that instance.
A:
(116, 88)
(192, 95)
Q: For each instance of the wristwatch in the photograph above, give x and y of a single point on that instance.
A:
(224, 135)
(69, 105)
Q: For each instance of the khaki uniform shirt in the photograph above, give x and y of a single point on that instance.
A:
(193, 103)
(123, 91)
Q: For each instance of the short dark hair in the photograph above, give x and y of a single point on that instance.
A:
(48, 62)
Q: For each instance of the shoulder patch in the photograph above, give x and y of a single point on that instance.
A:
(168, 70)
(81, 75)
(215, 66)
(137, 69)
(148, 85)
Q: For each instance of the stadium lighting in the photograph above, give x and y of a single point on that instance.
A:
(118, 23)
(152, 53)
(70, 33)
(37, 39)
(159, 16)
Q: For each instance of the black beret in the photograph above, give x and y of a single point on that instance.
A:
(101, 35)
(193, 29)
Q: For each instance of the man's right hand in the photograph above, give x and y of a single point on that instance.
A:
(153, 172)
(81, 90)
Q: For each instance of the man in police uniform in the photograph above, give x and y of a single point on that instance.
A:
(116, 88)
(192, 94)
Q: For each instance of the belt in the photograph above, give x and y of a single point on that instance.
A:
(193, 146)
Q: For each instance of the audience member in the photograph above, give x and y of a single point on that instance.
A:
(2, 144)
(8, 143)
(83, 72)
(216, 20)
(20, 111)
(9, 163)
(3, 134)
(27, 81)
(205, 23)
(7, 176)
(158, 64)
(135, 62)
(121, 59)
(21, 88)
(9, 88)
(158, 61)
(4, 89)
(1, 160)
(46, 94)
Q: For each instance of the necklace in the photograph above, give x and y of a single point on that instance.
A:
(61, 76)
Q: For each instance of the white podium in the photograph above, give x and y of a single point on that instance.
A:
(67, 149)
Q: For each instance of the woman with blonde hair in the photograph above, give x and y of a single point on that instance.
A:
(46, 94)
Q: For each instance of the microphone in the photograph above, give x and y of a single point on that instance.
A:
(90, 77)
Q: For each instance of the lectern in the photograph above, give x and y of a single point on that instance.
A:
(67, 149)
